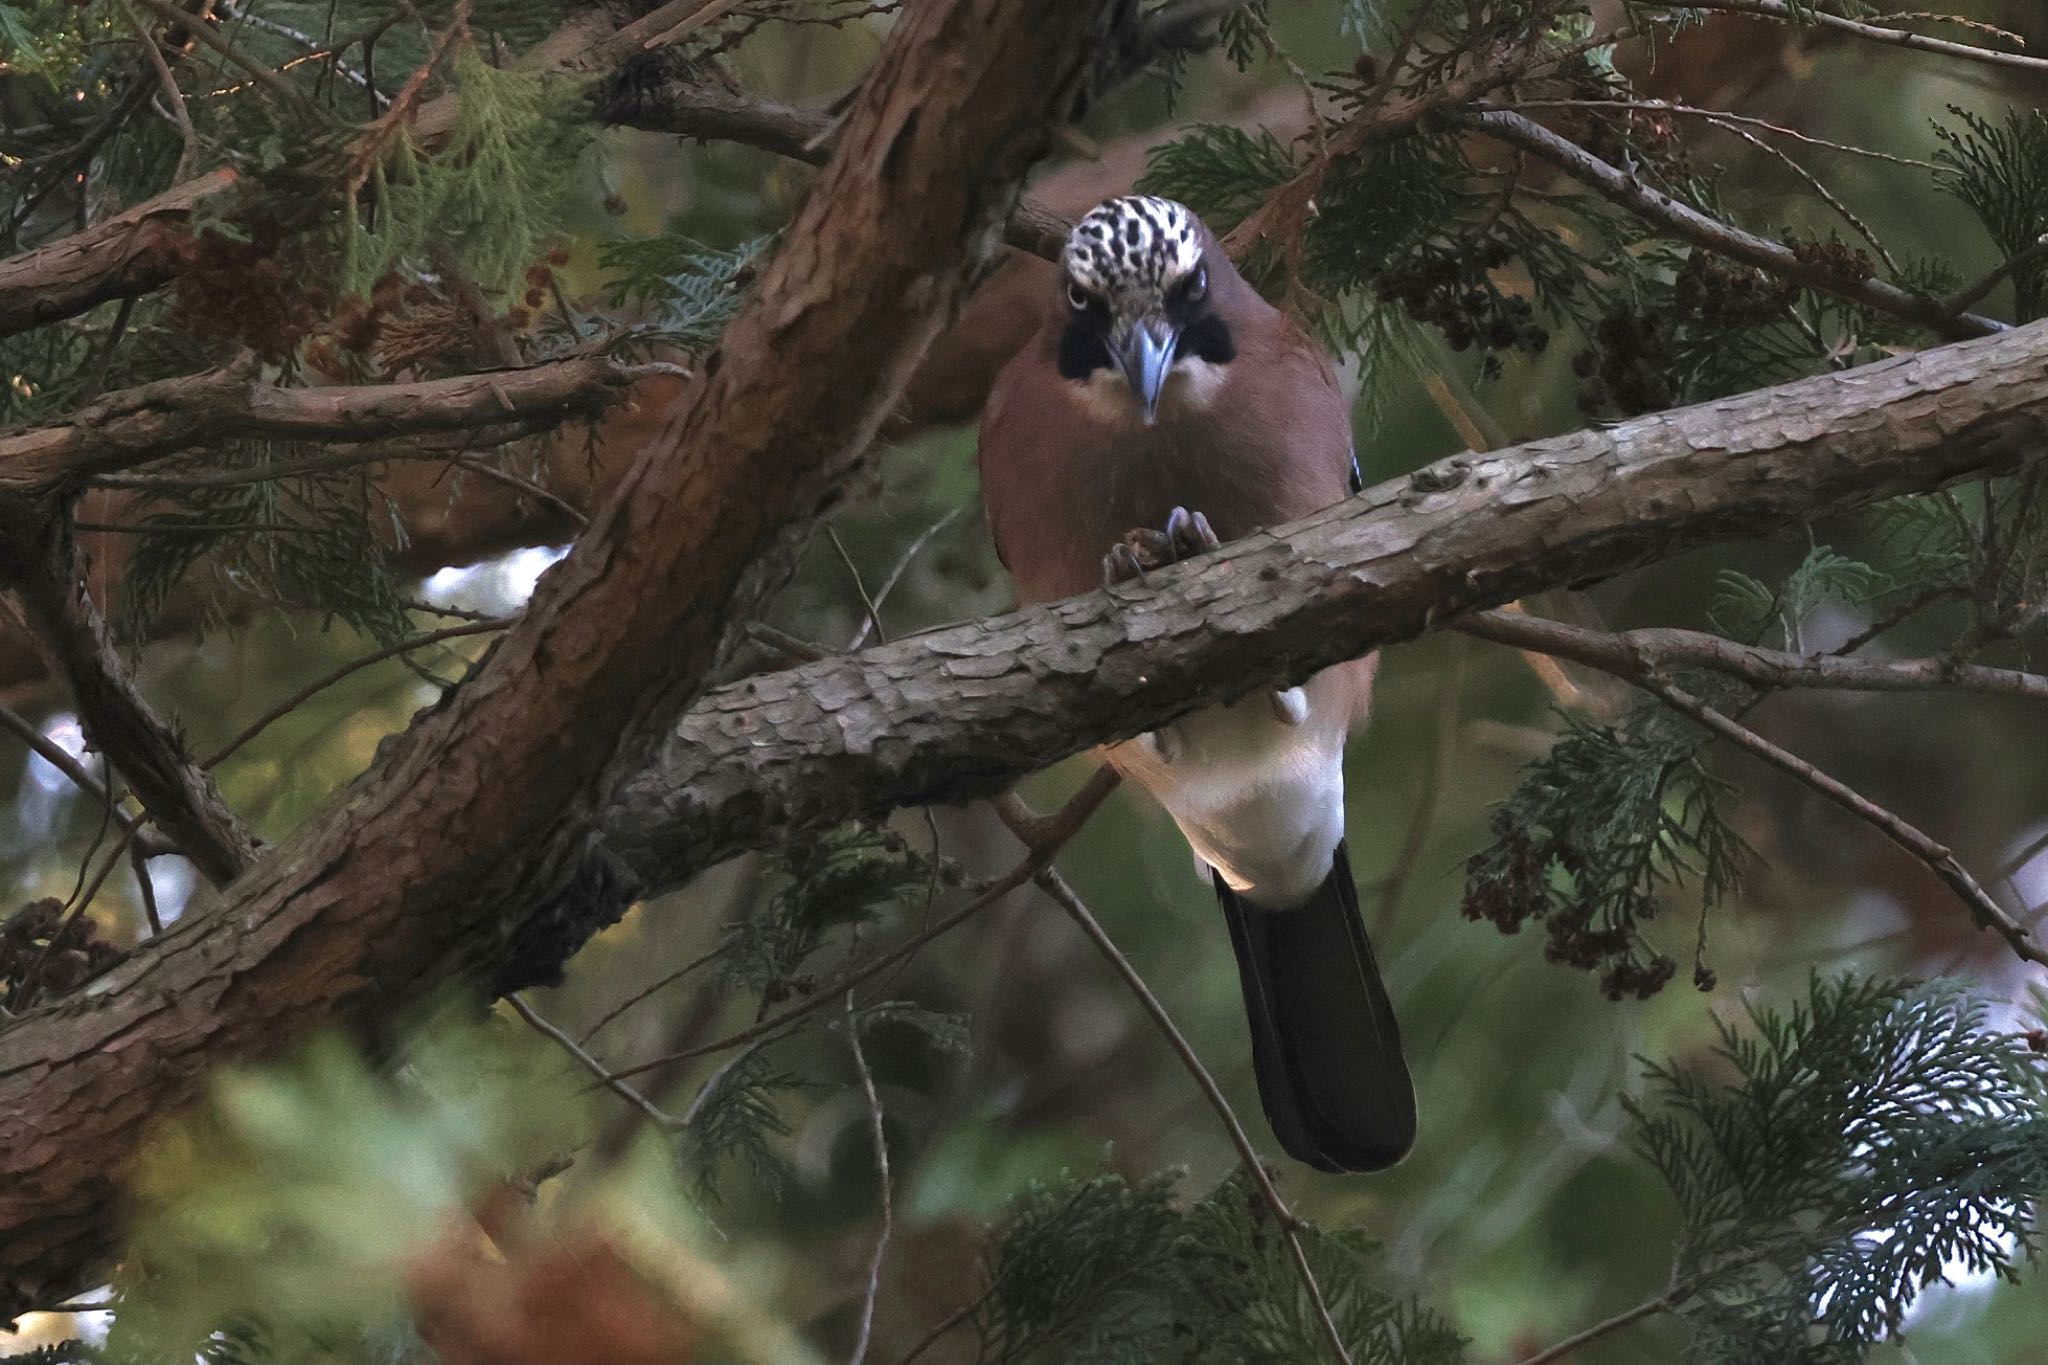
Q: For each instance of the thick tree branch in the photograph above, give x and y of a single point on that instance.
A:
(131, 427)
(129, 254)
(1689, 224)
(966, 710)
(466, 850)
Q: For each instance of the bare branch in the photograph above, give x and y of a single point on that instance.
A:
(57, 756)
(1876, 33)
(1646, 1309)
(134, 426)
(1688, 223)
(666, 1122)
(1637, 652)
(880, 1138)
(178, 795)
(1045, 838)
(1619, 655)
(1290, 1226)
(312, 689)
(1939, 859)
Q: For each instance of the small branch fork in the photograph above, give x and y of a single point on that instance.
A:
(1626, 660)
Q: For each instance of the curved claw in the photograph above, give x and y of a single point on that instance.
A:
(1121, 565)
(1189, 533)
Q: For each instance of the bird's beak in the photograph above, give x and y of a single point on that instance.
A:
(1145, 355)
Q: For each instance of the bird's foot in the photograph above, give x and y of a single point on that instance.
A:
(1188, 533)
(1141, 550)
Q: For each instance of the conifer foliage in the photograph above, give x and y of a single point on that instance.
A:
(1508, 213)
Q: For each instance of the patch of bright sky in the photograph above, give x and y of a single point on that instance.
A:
(494, 585)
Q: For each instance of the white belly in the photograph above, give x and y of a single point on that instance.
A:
(1259, 799)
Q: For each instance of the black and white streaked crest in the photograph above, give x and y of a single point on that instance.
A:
(1133, 248)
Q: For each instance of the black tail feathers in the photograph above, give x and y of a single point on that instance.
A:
(1324, 1042)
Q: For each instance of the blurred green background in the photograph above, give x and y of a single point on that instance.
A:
(1520, 1214)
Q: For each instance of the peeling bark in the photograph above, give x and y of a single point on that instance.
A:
(480, 814)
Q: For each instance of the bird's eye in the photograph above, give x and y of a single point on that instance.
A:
(1198, 284)
(1077, 296)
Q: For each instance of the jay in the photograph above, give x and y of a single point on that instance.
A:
(1164, 407)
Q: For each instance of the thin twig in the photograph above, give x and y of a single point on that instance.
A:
(867, 1089)
(261, 74)
(874, 612)
(660, 983)
(145, 889)
(1643, 672)
(1938, 857)
(1728, 116)
(1443, 748)
(903, 562)
(1050, 834)
(1895, 37)
(318, 685)
(60, 758)
(25, 992)
(1690, 224)
(1647, 1308)
(592, 1065)
(577, 517)
(1629, 652)
(1969, 294)
(1290, 1226)
(172, 94)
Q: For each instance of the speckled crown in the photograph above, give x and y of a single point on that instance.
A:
(1136, 245)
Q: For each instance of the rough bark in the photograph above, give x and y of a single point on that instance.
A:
(478, 817)
(968, 709)
(134, 426)
(584, 464)
(132, 253)
(314, 931)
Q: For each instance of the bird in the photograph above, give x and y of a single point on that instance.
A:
(1162, 408)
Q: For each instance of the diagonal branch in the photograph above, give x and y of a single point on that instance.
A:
(1938, 857)
(1642, 669)
(467, 850)
(131, 253)
(131, 427)
(176, 792)
(483, 842)
(965, 710)
(1684, 221)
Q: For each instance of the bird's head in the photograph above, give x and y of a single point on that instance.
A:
(1137, 293)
